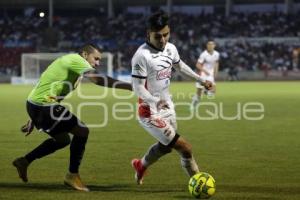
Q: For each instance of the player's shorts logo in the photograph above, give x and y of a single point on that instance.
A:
(157, 122)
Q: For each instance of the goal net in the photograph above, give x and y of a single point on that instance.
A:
(34, 64)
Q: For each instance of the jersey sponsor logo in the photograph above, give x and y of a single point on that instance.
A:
(163, 74)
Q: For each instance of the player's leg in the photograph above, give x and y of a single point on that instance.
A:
(59, 137)
(197, 97)
(56, 142)
(49, 146)
(77, 148)
(165, 134)
(211, 93)
(188, 162)
(155, 151)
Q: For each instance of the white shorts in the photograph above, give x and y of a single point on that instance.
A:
(162, 126)
(209, 78)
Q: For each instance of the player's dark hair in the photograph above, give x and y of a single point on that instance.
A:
(157, 21)
(210, 40)
(89, 48)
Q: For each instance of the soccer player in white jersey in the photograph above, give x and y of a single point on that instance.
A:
(207, 67)
(151, 72)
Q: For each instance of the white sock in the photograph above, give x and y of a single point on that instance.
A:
(195, 100)
(210, 95)
(189, 165)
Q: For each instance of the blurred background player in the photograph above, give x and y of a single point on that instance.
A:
(60, 78)
(207, 67)
(151, 73)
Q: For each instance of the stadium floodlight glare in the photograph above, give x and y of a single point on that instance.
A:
(42, 14)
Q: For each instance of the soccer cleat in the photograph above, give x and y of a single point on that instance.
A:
(139, 170)
(21, 164)
(75, 182)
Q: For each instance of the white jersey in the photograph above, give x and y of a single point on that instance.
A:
(209, 61)
(156, 67)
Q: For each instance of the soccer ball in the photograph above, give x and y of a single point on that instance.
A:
(202, 185)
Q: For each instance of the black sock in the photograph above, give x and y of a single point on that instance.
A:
(47, 147)
(76, 153)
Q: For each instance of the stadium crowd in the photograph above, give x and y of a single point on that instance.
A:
(122, 34)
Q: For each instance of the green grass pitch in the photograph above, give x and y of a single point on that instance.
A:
(257, 160)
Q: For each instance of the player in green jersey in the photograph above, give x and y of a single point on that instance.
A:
(46, 114)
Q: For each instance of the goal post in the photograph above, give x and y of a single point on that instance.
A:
(34, 64)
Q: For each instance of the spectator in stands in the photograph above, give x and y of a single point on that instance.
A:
(26, 32)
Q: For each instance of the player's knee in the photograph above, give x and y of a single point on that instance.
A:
(81, 131)
(62, 140)
(85, 131)
(164, 149)
(65, 142)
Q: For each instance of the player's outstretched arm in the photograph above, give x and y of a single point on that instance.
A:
(186, 70)
(138, 86)
(200, 68)
(107, 81)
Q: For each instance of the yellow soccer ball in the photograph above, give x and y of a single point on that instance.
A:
(202, 185)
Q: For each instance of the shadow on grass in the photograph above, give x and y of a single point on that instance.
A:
(149, 188)
(94, 188)
(229, 197)
(283, 190)
(237, 192)
(34, 186)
